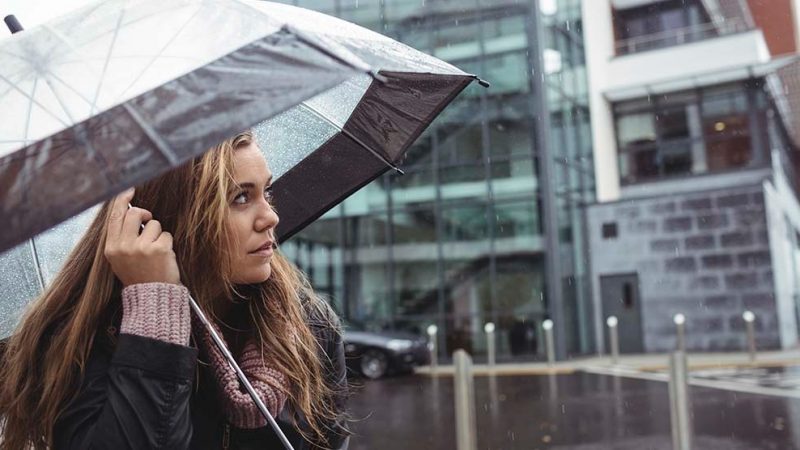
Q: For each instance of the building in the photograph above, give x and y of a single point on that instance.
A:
(695, 152)
(486, 224)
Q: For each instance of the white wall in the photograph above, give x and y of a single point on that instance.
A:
(685, 64)
(599, 41)
(783, 220)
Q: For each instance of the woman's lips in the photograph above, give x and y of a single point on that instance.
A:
(265, 250)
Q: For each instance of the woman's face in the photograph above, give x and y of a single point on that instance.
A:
(252, 219)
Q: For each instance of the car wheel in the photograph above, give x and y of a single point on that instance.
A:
(374, 364)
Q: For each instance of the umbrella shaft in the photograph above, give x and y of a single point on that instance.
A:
(242, 377)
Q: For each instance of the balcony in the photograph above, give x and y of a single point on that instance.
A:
(679, 36)
(696, 64)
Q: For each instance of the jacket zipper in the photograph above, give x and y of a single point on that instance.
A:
(226, 437)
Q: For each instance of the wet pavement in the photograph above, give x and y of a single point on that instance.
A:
(578, 411)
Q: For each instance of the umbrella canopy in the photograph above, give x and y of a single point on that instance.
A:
(123, 90)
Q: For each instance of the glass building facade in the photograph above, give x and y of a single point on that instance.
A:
(487, 222)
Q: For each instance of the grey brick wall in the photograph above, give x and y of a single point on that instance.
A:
(703, 254)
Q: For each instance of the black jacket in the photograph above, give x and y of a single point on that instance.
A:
(140, 393)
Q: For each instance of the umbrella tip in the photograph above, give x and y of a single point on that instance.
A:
(12, 23)
(482, 82)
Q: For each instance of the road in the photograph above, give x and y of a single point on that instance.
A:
(580, 411)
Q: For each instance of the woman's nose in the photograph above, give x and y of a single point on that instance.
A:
(267, 216)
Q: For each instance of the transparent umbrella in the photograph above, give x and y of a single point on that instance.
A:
(342, 105)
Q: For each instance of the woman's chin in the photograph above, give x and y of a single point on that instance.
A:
(254, 276)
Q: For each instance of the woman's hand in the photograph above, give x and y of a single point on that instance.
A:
(138, 258)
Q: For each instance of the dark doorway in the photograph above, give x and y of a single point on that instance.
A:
(620, 295)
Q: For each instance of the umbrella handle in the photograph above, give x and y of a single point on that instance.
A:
(242, 377)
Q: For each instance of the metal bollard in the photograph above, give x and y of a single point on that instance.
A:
(613, 338)
(749, 321)
(679, 402)
(680, 324)
(434, 355)
(464, 387)
(547, 326)
(490, 344)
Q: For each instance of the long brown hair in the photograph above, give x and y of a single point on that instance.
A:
(46, 355)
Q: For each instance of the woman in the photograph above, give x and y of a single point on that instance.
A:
(111, 357)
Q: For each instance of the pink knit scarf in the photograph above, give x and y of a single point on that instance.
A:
(268, 382)
(161, 311)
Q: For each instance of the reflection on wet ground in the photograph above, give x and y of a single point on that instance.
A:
(579, 411)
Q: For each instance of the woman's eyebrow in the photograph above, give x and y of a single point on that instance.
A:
(251, 185)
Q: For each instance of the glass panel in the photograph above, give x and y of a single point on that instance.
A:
(508, 72)
(458, 174)
(417, 287)
(366, 14)
(514, 175)
(368, 291)
(324, 6)
(509, 138)
(673, 124)
(635, 130)
(462, 143)
(467, 301)
(417, 225)
(726, 126)
(517, 218)
(468, 222)
(640, 164)
(520, 304)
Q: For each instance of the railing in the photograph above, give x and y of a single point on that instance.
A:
(679, 36)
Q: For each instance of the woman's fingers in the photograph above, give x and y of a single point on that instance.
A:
(138, 258)
(151, 232)
(119, 206)
(164, 241)
(132, 224)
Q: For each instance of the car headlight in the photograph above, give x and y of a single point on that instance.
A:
(399, 345)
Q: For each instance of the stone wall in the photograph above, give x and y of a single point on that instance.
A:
(703, 254)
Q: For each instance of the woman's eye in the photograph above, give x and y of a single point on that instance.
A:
(241, 198)
(268, 194)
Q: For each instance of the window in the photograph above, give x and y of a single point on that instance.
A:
(609, 230)
(659, 25)
(726, 129)
(686, 133)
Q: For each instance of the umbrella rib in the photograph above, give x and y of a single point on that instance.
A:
(159, 54)
(342, 59)
(16, 88)
(58, 97)
(108, 59)
(30, 109)
(153, 135)
(347, 133)
(66, 85)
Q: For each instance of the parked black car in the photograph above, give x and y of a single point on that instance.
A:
(375, 354)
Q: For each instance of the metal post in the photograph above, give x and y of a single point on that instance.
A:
(679, 402)
(432, 331)
(749, 320)
(613, 338)
(547, 325)
(464, 402)
(490, 344)
(680, 323)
